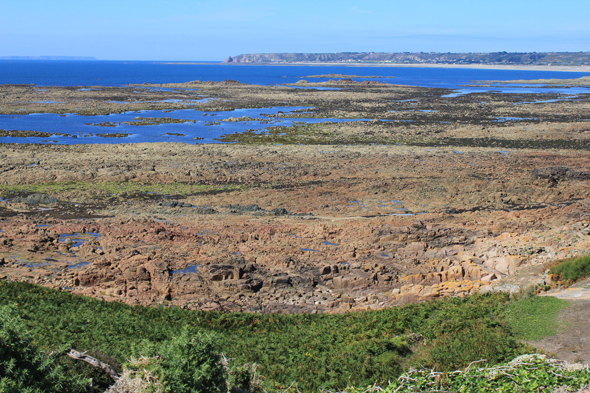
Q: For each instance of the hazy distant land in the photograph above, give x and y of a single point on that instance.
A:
(47, 58)
(426, 58)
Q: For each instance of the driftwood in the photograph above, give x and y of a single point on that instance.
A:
(93, 362)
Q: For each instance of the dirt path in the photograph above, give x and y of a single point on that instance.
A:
(572, 342)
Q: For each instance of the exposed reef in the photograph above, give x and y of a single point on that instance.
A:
(400, 194)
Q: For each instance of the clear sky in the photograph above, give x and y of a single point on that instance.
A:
(216, 29)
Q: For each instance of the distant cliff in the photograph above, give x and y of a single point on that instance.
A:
(512, 58)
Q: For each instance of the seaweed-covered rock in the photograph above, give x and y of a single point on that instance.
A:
(37, 199)
(279, 211)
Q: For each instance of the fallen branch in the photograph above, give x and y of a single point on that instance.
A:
(93, 362)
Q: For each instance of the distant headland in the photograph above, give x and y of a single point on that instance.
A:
(47, 58)
(418, 58)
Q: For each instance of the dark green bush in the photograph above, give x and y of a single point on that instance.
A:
(23, 367)
(189, 362)
(245, 378)
(574, 269)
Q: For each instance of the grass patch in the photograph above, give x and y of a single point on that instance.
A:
(572, 270)
(534, 318)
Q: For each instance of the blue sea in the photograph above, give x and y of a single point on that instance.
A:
(121, 73)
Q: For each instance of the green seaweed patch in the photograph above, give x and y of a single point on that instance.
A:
(346, 76)
(104, 124)
(299, 133)
(113, 135)
(315, 134)
(246, 118)
(101, 190)
(174, 134)
(536, 144)
(28, 133)
(152, 121)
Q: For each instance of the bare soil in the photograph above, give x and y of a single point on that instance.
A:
(572, 341)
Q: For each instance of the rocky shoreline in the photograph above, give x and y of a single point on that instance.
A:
(328, 244)
(309, 225)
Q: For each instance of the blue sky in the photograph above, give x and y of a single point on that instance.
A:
(213, 30)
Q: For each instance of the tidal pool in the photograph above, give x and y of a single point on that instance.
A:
(185, 125)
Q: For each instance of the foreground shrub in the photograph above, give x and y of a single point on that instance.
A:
(245, 378)
(186, 363)
(453, 351)
(23, 367)
(573, 269)
(136, 378)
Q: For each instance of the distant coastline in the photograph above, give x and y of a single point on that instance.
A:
(553, 61)
(585, 68)
(83, 58)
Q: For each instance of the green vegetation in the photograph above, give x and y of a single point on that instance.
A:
(183, 364)
(534, 318)
(313, 351)
(23, 367)
(572, 270)
(528, 374)
(114, 189)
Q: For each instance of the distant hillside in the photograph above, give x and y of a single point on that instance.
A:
(47, 58)
(496, 58)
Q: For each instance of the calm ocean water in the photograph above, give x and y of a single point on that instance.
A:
(117, 73)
